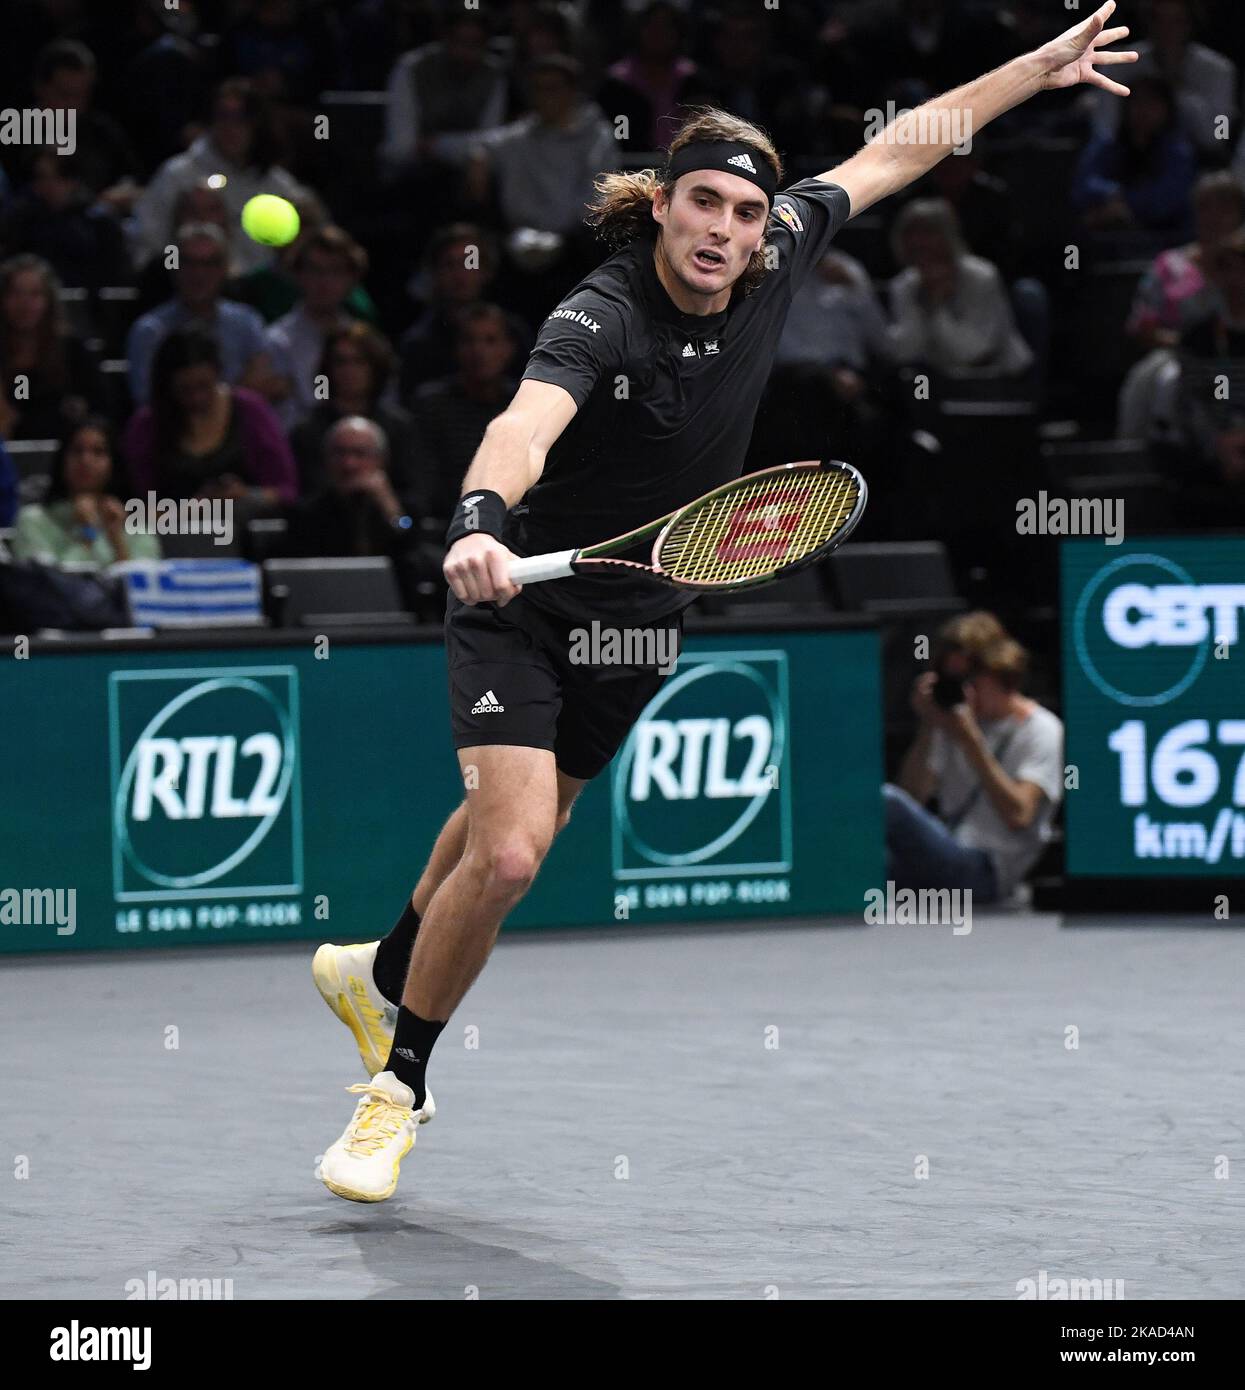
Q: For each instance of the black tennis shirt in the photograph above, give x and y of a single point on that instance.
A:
(666, 400)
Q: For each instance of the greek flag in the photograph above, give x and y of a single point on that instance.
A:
(193, 593)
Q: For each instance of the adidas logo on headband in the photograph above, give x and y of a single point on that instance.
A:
(730, 156)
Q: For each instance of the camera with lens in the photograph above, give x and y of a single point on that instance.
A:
(948, 691)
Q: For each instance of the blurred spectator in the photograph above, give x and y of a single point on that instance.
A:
(274, 290)
(202, 437)
(65, 81)
(358, 366)
(286, 47)
(747, 78)
(1174, 289)
(29, 26)
(1173, 295)
(1028, 25)
(839, 322)
(535, 30)
(543, 168)
(168, 74)
(358, 511)
(1204, 82)
(459, 266)
(329, 266)
(199, 203)
(442, 95)
(374, 31)
(913, 49)
(82, 518)
(452, 414)
(202, 269)
(982, 204)
(544, 164)
(820, 389)
(290, 50)
(1211, 479)
(55, 218)
(50, 379)
(645, 85)
(950, 308)
(1136, 186)
(994, 759)
(238, 153)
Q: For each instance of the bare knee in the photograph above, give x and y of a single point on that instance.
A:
(507, 865)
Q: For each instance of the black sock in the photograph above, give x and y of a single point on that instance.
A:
(413, 1041)
(393, 955)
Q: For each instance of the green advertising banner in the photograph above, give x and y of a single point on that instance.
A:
(1154, 707)
(281, 791)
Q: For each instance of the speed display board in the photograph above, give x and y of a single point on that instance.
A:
(1154, 707)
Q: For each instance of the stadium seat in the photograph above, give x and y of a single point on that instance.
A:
(1065, 460)
(33, 488)
(1038, 174)
(1102, 309)
(32, 457)
(1145, 497)
(984, 440)
(332, 592)
(76, 302)
(114, 374)
(197, 546)
(265, 538)
(864, 239)
(357, 119)
(801, 592)
(984, 398)
(115, 310)
(913, 571)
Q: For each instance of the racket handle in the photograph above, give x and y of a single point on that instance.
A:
(534, 569)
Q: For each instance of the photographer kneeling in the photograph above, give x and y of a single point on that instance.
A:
(993, 757)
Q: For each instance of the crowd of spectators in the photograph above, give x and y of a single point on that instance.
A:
(440, 158)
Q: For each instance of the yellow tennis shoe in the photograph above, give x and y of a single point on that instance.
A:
(343, 975)
(362, 1165)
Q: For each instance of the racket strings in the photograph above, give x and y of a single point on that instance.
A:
(761, 526)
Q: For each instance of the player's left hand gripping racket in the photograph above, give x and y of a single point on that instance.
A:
(751, 531)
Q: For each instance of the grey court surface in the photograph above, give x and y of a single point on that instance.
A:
(623, 1130)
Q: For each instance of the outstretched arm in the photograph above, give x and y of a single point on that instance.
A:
(914, 142)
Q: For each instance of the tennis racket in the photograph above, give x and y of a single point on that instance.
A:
(751, 531)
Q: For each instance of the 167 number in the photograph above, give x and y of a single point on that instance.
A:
(1182, 772)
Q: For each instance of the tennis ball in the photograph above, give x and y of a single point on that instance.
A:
(270, 220)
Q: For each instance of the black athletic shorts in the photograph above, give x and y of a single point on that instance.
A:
(513, 680)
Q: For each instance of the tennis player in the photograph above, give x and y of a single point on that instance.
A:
(639, 396)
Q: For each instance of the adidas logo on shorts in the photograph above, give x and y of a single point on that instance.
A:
(487, 704)
(743, 162)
